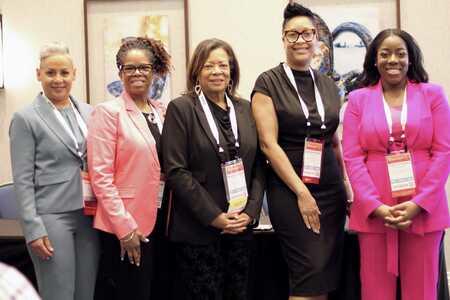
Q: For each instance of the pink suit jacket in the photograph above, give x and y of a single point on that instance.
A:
(123, 167)
(365, 142)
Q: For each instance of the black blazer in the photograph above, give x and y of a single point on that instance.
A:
(192, 166)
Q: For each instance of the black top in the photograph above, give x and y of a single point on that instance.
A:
(226, 136)
(292, 121)
(150, 118)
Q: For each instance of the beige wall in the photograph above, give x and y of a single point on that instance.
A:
(27, 25)
(252, 29)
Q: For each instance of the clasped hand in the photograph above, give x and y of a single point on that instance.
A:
(398, 216)
(231, 223)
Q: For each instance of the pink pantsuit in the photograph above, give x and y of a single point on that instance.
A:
(386, 253)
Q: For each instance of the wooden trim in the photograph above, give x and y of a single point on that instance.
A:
(186, 30)
(399, 20)
(86, 53)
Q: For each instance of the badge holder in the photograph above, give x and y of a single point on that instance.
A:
(401, 174)
(89, 200)
(312, 160)
(162, 183)
(235, 185)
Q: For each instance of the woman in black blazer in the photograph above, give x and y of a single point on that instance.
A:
(206, 130)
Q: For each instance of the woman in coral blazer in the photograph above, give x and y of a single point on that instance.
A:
(125, 170)
(398, 236)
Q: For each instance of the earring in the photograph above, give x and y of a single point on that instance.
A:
(230, 86)
(197, 88)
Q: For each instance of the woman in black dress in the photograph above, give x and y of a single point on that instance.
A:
(293, 106)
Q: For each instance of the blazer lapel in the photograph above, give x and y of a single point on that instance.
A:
(376, 110)
(45, 112)
(415, 111)
(204, 124)
(139, 121)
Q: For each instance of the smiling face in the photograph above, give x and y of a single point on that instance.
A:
(299, 53)
(392, 61)
(215, 73)
(56, 74)
(137, 82)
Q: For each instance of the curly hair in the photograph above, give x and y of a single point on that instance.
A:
(416, 71)
(158, 56)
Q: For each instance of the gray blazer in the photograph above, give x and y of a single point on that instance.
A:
(45, 165)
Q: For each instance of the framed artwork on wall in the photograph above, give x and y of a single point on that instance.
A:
(346, 28)
(108, 23)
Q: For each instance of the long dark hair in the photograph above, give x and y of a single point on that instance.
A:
(201, 54)
(416, 71)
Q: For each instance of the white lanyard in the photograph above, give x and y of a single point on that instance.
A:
(319, 102)
(403, 116)
(212, 124)
(157, 119)
(64, 124)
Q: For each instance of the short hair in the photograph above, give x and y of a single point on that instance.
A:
(199, 57)
(157, 54)
(416, 71)
(293, 10)
(53, 48)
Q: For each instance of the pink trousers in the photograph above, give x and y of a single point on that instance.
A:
(418, 260)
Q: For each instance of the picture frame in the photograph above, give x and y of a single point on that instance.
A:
(163, 20)
(345, 30)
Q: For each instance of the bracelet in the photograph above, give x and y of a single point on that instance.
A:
(128, 239)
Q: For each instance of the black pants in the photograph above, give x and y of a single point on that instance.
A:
(218, 271)
(119, 280)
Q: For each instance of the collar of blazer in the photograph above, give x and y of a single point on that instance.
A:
(139, 121)
(240, 118)
(416, 109)
(45, 112)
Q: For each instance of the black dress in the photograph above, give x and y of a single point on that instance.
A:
(314, 261)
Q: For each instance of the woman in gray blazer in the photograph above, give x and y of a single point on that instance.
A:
(48, 153)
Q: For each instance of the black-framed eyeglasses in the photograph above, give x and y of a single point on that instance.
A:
(292, 36)
(144, 69)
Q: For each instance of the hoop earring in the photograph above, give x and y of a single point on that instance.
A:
(197, 89)
(230, 86)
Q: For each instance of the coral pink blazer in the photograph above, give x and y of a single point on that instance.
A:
(123, 167)
(365, 142)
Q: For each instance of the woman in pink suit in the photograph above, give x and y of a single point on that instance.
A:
(125, 170)
(396, 143)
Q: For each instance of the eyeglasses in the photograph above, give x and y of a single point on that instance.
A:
(144, 69)
(293, 35)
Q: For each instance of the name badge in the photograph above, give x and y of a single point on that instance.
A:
(401, 174)
(235, 185)
(162, 183)
(312, 161)
(89, 201)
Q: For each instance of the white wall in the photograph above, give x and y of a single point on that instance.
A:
(27, 25)
(252, 27)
